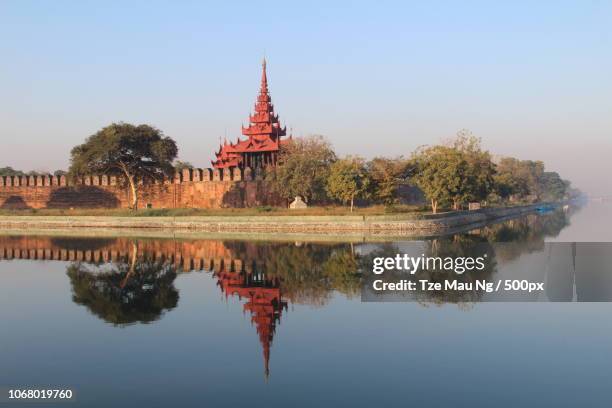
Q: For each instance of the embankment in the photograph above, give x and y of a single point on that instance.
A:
(397, 225)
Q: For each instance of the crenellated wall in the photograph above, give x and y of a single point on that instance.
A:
(189, 188)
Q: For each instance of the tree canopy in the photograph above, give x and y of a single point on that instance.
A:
(348, 180)
(386, 176)
(552, 186)
(303, 168)
(181, 165)
(528, 180)
(478, 170)
(439, 173)
(455, 173)
(134, 152)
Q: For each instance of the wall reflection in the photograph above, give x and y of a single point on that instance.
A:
(126, 281)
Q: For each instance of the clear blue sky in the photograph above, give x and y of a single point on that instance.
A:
(533, 79)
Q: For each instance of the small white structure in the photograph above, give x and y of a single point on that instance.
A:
(298, 204)
(474, 206)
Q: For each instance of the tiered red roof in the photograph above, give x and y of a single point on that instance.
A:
(264, 135)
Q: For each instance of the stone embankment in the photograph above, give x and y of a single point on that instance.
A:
(399, 224)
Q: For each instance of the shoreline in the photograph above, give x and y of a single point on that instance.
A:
(349, 227)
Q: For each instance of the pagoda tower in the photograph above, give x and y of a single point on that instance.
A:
(263, 134)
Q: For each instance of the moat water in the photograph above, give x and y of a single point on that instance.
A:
(147, 322)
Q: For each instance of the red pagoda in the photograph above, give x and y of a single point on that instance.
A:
(264, 136)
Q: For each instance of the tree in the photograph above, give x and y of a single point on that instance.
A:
(9, 171)
(572, 192)
(552, 186)
(348, 180)
(302, 169)
(507, 183)
(386, 176)
(179, 165)
(439, 173)
(134, 152)
(478, 171)
(520, 178)
(530, 172)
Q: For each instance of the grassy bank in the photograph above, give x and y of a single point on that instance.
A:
(415, 210)
(410, 223)
(229, 212)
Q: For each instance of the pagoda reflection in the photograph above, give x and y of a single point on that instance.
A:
(263, 302)
(125, 281)
(131, 281)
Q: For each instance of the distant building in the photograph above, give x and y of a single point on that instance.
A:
(264, 134)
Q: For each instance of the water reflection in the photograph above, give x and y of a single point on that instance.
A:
(119, 268)
(263, 301)
(579, 271)
(122, 292)
(139, 274)
(127, 281)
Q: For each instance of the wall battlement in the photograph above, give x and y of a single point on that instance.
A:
(186, 175)
(188, 188)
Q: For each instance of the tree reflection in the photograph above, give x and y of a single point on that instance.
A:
(308, 273)
(524, 235)
(125, 292)
(135, 284)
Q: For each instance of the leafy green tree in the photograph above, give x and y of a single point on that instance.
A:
(439, 173)
(479, 170)
(552, 186)
(348, 179)
(386, 176)
(519, 178)
(134, 152)
(507, 183)
(303, 168)
(531, 173)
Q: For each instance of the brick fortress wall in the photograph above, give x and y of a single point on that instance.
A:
(190, 188)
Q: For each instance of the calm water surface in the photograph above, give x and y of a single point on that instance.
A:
(129, 322)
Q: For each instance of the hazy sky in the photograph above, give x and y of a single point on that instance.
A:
(533, 79)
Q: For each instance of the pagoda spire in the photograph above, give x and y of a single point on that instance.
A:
(263, 131)
(264, 78)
